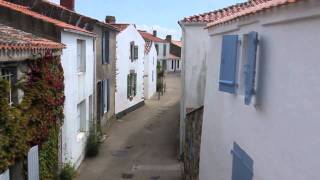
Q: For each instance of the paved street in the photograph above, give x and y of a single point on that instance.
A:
(142, 145)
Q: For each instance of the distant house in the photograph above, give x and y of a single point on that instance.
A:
(163, 50)
(194, 55)
(173, 61)
(261, 114)
(150, 65)
(17, 50)
(129, 68)
(78, 64)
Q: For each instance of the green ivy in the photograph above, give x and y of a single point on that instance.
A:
(37, 119)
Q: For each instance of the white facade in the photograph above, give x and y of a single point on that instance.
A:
(280, 129)
(163, 53)
(124, 66)
(78, 88)
(173, 65)
(194, 57)
(150, 73)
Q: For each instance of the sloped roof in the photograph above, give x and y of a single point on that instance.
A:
(121, 27)
(149, 37)
(27, 11)
(235, 11)
(177, 43)
(14, 39)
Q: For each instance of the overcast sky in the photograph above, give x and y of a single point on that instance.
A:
(162, 15)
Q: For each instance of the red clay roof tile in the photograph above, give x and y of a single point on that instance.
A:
(149, 37)
(235, 11)
(29, 12)
(15, 39)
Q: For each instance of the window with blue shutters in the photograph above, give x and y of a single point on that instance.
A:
(250, 67)
(229, 56)
(242, 164)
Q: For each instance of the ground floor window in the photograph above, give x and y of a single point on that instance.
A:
(172, 64)
(10, 74)
(81, 116)
(178, 65)
(132, 85)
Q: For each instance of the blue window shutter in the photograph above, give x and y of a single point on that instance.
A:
(250, 69)
(228, 65)
(242, 165)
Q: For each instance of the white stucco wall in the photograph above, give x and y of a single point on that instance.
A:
(150, 69)
(161, 49)
(281, 134)
(5, 175)
(193, 75)
(73, 141)
(124, 65)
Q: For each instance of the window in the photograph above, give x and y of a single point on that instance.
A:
(172, 64)
(134, 51)
(105, 47)
(164, 50)
(105, 96)
(178, 65)
(227, 82)
(242, 164)
(10, 74)
(157, 49)
(81, 116)
(152, 75)
(132, 85)
(81, 55)
(90, 109)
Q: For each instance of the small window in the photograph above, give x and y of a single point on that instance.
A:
(164, 50)
(157, 48)
(81, 55)
(81, 116)
(132, 51)
(242, 164)
(105, 95)
(172, 64)
(136, 52)
(178, 65)
(105, 47)
(131, 85)
(10, 74)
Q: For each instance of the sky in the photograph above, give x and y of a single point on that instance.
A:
(161, 15)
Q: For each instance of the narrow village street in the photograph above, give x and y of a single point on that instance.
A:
(143, 144)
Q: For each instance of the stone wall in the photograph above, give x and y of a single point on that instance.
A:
(192, 144)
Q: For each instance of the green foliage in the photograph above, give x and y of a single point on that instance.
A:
(92, 146)
(36, 120)
(49, 155)
(68, 172)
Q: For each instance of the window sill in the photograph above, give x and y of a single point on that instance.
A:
(80, 136)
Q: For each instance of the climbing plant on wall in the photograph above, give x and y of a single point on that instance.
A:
(36, 120)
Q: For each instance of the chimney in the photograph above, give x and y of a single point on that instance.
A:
(110, 19)
(155, 33)
(169, 38)
(69, 4)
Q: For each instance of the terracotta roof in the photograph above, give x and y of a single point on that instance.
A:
(147, 47)
(121, 27)
(235, 11)
(73, 12)
(15, 39)
(177, 43)
(27, 11)
(149, 37)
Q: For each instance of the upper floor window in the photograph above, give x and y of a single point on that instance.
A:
(157, 49)
(164, 50)
(134, 51)
(81, 55)
(105, 47)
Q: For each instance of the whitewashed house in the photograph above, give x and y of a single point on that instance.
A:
(78, 64)
(150, 65)
(150, 70)
(194, 56)
(129, 93)
(163, 50)
(261, 113)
